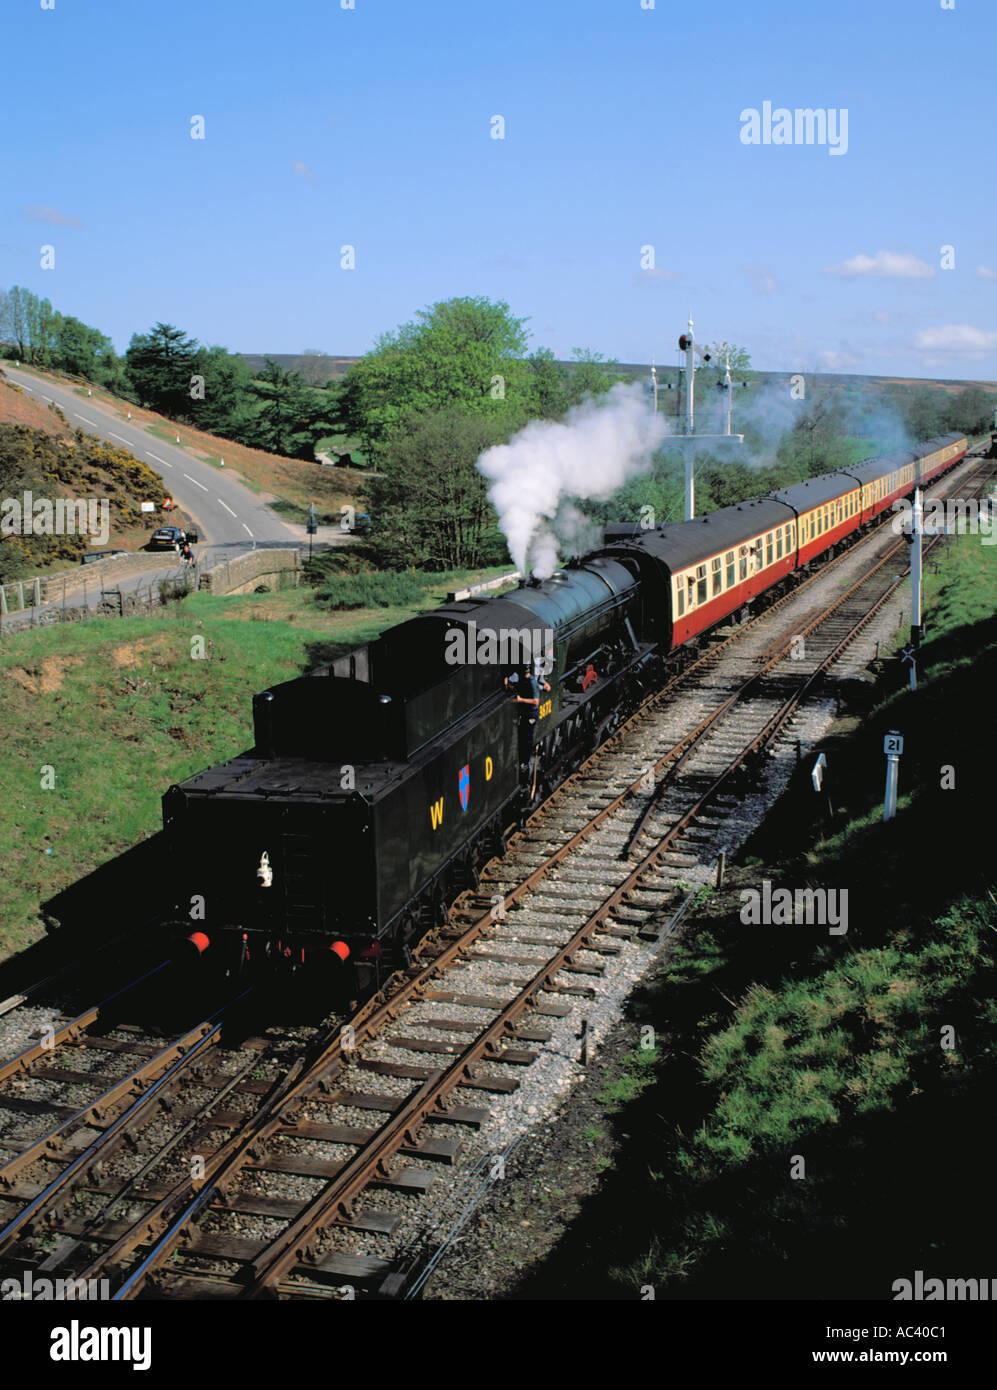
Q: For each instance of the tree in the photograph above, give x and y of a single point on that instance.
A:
(726, 484)
(971, 412)
(817, 443)
(292, 416)
(548, 398)
(41, 329)
(14, 320)
(430, 506)
(26, 321)
(465, 353)
(160, 365)
(589, 374)
(84, 351)
(228, 405)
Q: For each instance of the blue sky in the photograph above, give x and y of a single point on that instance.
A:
(372, 127)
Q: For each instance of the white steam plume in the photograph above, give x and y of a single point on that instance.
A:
(598, 446)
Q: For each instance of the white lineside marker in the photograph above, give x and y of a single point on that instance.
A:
(817, 775)
(893, 746)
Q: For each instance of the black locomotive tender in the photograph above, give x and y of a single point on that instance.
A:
(379, 783)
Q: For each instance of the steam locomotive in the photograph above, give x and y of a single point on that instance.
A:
(379, 783)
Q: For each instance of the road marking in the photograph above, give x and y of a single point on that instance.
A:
(25, 387)
(228, 509)
(246, 529)
(158, 459)
(44, 397)
(118, 436)
(91, 423)
(195, 482)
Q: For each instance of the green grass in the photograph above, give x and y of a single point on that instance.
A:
(637, 1073)
(294, 511)
(118, 710)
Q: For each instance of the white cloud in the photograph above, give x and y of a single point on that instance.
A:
(43, 212)
(884, 265)
(985, 273)
(962, 339)
(299, 167)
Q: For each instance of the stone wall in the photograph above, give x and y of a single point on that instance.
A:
(243, 574)
(106, 572)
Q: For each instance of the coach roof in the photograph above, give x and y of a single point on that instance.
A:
(681, 543)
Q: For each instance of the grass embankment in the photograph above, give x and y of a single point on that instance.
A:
(120, 709)
(805, 1127)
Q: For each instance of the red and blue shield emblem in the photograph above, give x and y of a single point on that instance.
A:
(464, 785)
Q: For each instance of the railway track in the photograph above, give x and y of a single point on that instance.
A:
(290, 1170)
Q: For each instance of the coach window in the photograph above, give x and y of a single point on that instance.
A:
(769, 544)
(744, 561)
(729, 562)
(716, 565)
(679, 597)
(700, 583)
(778, 544)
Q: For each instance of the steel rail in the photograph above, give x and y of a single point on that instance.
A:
(68, 1031)
(207, 1034)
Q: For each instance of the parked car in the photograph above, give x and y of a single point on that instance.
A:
(168, 538)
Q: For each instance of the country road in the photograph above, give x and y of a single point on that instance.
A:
(228, 515)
